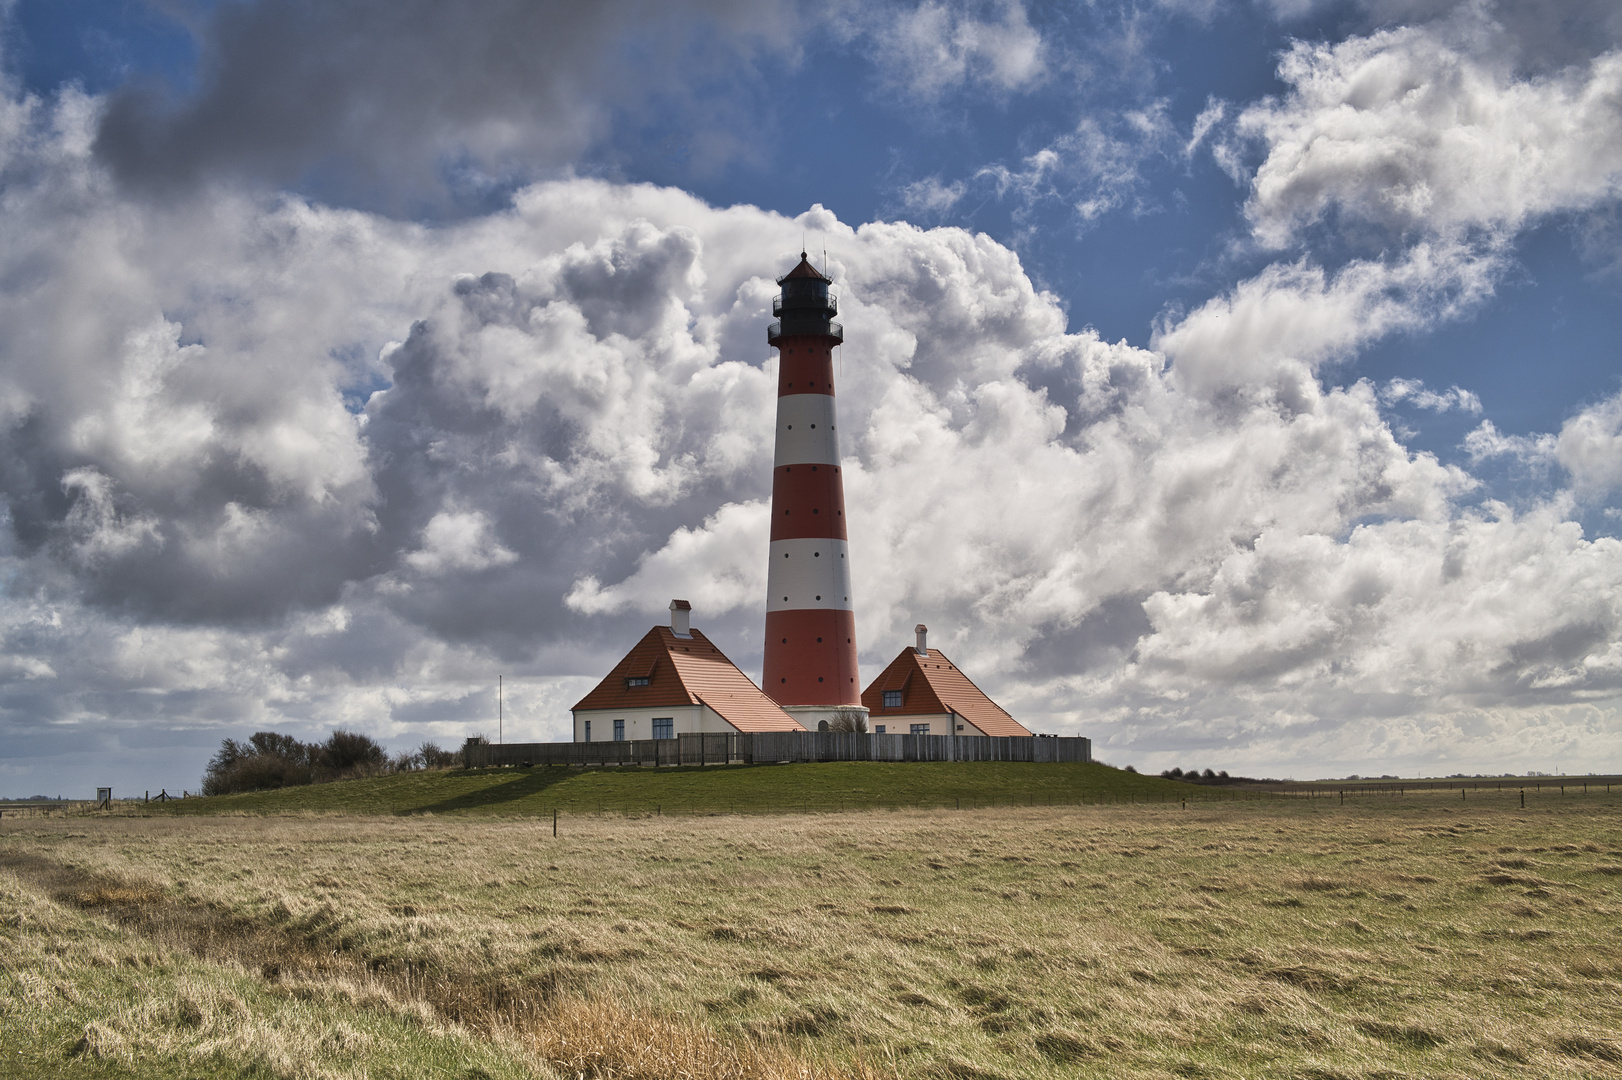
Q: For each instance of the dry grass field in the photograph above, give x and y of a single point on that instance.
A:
(1415, 937)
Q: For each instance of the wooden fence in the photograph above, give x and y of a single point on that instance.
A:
(780, 746)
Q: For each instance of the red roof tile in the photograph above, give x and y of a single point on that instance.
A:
(682, 671)
(804, 270)
(939, 687)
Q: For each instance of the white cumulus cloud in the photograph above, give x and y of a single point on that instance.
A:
(453, 541)
(1590, 447)
(936, 46)
(1414, 392)
(1411, 129)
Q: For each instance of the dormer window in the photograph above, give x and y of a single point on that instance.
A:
(638, 680)
(892, 699)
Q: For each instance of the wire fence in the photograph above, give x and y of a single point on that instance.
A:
(1303, 797)
(1507, 791)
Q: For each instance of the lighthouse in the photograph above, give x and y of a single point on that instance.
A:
(810, 662)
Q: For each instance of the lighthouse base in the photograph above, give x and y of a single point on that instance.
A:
(812, 717)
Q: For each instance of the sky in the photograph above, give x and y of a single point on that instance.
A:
(1233, 382)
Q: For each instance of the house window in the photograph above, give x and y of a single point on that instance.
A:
(619, 731)
(892, 699)
(920, 729)
(878, 729)
(637, 680)
(664, 727)
(588, 730)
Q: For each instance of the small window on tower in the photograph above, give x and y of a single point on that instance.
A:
(892, 699)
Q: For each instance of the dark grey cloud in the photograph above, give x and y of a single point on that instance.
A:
(500, 450)
(389, 100)
(1539, 35)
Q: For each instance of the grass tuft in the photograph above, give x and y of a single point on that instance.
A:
(1588, 1046)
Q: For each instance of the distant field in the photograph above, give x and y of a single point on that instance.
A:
(1398, 937)
(1375, 785)
(755, 789)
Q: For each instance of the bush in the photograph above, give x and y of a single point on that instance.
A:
(848, 720)
(426, 756)
(268, 760)
(1209, 776)
(437, 757)
(349, 753)
(283, 746)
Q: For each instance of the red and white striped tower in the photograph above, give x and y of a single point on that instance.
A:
(810, 667)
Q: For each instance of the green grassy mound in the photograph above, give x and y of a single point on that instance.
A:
(825, 786)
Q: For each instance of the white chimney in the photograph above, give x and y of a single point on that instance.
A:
(923, 639)
(680, 612)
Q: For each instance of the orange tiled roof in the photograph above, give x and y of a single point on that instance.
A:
(682, 671)
(933, 684)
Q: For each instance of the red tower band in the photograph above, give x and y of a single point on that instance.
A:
(810, 664)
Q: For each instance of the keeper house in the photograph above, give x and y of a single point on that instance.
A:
(923, 693)
(675, 682)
